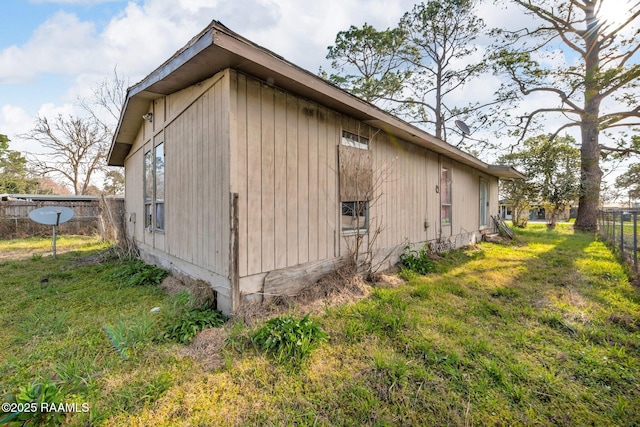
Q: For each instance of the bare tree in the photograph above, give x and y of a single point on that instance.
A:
(106, 101)
(361, 188)
(105, 106)
(595, 92)
(75, 149)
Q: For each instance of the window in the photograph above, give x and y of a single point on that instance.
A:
(445, 196)
(352, 140)
(153, 175)
(355, 217)
(159, 185)
(148, 189)
(484, 203)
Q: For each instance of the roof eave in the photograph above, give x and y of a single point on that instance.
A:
(217, 48)
(505, 172)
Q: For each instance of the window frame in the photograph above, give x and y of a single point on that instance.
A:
(350, 205)
(354, 140)
(153, 183)
(147, 188)
(484, 204)
(446, 196)
(158, 196)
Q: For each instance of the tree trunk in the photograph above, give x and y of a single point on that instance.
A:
(590, 179)
(590, 172)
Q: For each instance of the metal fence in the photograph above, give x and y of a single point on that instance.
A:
(620, 227)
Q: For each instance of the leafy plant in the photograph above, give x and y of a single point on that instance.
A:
(191, 321)
(134, 272)
(417, 260)
(128, 335)
(182, 320)
(288, 339)
(35, 398)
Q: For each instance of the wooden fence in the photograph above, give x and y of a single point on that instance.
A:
(101, 216)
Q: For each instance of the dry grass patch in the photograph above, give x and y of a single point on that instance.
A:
(206, 348)
(339, 287)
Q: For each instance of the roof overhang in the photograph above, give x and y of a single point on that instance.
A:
(217, 48)
(506, 172)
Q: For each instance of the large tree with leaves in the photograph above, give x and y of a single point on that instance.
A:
(588, 66)
(442, 33)
(552, 168)
(413, 69)
(14, 176)
(370, 64)
(630, 182)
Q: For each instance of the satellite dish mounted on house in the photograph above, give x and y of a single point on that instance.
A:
(463, 127)
(52, 215)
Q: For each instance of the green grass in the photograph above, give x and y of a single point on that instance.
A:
(55, 314)
(546, 332)
(36, 247)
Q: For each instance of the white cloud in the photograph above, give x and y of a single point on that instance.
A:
(14, 121)
(63, 44)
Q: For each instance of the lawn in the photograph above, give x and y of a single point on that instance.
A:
(544, 332)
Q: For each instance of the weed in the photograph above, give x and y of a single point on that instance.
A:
(134, 272)
(417, 260)
(35, 399)
(288, 339)
(237, 337)
(127, 335)
(182, 321)
(191, 321)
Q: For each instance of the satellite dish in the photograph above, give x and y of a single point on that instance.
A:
(51, 215)
(463, 127)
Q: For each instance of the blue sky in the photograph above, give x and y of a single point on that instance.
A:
(53, 51)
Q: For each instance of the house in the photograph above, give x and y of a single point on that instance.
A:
(538, 211)
(253, 175)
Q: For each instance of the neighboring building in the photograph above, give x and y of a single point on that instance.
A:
(537, 212)
(252, 174)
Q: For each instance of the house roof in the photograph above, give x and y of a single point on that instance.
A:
(217, 48)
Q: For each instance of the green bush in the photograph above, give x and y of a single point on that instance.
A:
(417, 260)
(134, 272)
(288, 339)
(37, 399)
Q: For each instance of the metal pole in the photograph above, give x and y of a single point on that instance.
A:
(635, 240)
(54, 232)
(53, 243)
(622, 234)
